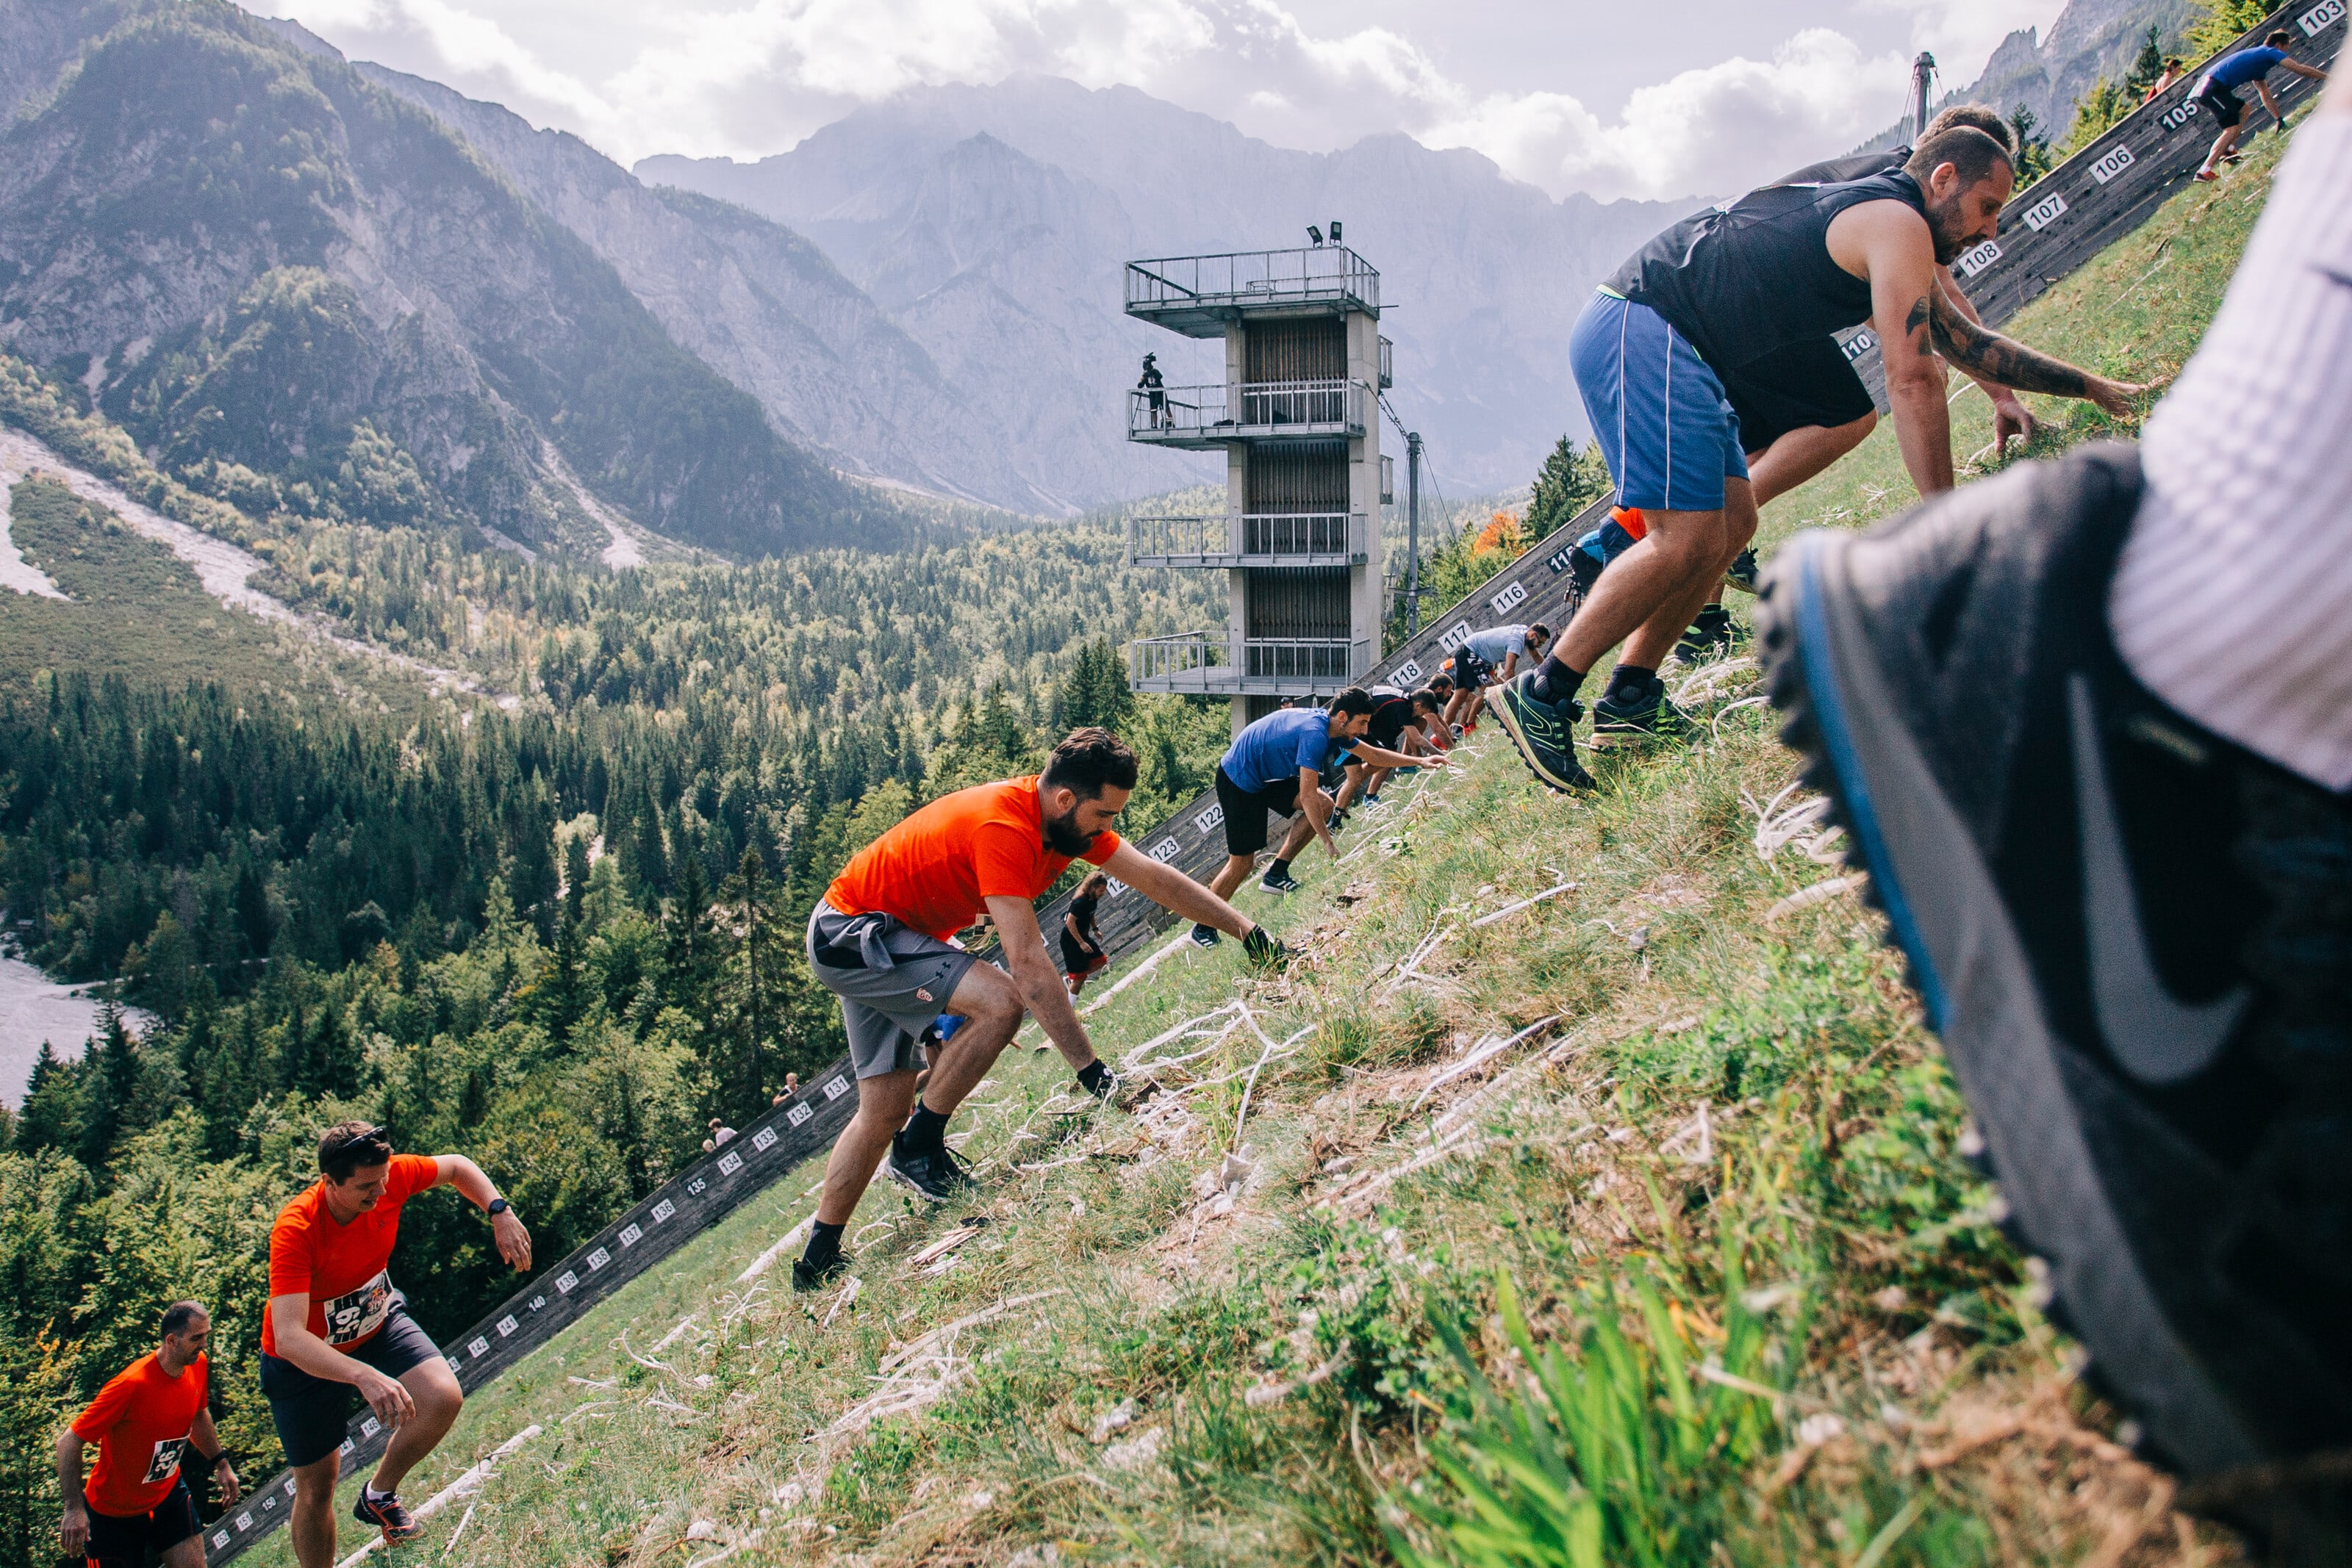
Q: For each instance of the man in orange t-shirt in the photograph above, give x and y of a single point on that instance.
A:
(147, 1415)
(880, 940)
(336, 1323)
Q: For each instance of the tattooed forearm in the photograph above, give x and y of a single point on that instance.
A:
(1983, 352)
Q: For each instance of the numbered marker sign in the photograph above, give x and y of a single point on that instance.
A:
(765, 1138)
(798, 1114)
(729, 1163)
(663, 1210)
(2319, 18)
(1455, 635)
(835, 1087)
(1557, 559)
(1167, 848)
(2046, 212)
(1974, 261)
(1510, 596)
(1861, 343)
(2110, 163)
(1116, 888)
(631, 1234)
(507, 1325)
(1210, 820)
(2181, 114)
(1409, 672)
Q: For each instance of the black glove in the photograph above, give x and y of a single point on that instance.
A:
(1266, 952)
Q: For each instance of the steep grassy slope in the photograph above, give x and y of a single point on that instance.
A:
(1667, 1154)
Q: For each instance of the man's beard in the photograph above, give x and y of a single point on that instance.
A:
(1944, 224)
(1063, 836)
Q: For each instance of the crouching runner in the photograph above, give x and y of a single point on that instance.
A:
(335, 1323)
(880, 940)
(137, 1507)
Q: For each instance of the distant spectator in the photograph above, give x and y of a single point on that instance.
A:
(2218, 93)
(721, 1132)
(792, 1087)
(1150, 385)
(2172, 69)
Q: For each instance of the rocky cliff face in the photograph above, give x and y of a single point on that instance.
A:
(2091, 38)
(992, 224)
(257, 258)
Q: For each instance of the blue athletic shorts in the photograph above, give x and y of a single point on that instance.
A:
(1663, 424)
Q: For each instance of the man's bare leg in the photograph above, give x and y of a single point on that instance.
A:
(1229, 875)
(1681, 548)
(1794, 458)
(991, 1005)
(439, 1399)
(312, 1520)
(884, 1103)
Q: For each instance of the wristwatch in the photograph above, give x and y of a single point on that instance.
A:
(496, 1207)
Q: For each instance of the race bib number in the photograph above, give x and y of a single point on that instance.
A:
(355, 1314)
(166, 1460)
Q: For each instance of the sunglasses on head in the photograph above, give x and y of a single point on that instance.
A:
(352, 1140)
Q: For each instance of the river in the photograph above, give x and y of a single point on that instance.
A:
(34, 1008)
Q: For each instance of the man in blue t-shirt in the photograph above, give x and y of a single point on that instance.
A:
(2217, 94)
(1275, 765)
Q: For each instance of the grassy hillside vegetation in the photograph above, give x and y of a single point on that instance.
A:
(1630, 1227)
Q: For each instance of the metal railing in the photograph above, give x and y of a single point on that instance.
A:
(1209, 414)
(1248, 539)
(1202, 662)
(1331, 274)
(1387, 364)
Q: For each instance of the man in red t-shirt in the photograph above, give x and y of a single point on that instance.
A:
(148, 1413)
(336, 1323)
(879, 940)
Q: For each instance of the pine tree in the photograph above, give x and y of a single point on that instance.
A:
(1570, 481)
(2147, 66)
(2033, 159)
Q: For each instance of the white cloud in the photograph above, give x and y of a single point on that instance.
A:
(746, 78)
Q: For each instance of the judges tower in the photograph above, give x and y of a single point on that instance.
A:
(1298, 416)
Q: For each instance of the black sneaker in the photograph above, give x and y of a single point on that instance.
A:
(1742, 575)
(1542, 733)
(1204, 936)
(1645, 713)
(1338, 820)
(1708, 637)
(385, 1514)
(2136, 942)
(939, 1175)
(808, 1276)
(1278, 881)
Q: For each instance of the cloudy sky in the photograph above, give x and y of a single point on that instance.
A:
(1622, 100)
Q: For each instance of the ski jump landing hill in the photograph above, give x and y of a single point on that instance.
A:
(2095, 197)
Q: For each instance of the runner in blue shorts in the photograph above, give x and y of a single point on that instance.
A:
(1718, 292)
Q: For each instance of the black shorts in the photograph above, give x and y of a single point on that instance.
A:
(1470, 671)
(313, 1413)
(2226, 107)
(1246, 810)
(1079, 957)
(1807, 383)
(132, 1541)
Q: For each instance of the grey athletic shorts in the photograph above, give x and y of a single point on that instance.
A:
(892, 982)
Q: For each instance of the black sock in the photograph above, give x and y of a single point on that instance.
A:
(1091, 1076)
(1277, 871)
(1555, 683)
(926, 1130)
(1627, 682)
(824, 1243)
(1712, 610)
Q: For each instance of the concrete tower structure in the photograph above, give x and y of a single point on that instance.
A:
(1298, 416)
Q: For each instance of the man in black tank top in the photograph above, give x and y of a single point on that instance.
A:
(1724, 288)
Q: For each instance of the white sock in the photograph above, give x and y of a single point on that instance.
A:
(2231, 601)
(374, 1495)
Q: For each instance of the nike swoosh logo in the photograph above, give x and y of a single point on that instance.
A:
(2156, 1039)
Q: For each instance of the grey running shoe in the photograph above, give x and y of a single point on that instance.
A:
(1742, 575)
(937, 1173)
(1648, 713)
(2134, 940)
(1542, 733)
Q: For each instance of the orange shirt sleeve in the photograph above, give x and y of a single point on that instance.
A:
(93, 1423)
(290, 1259)
(409, 1174)
(1106, 845)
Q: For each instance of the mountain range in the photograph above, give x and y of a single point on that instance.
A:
(308, 283)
